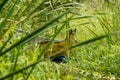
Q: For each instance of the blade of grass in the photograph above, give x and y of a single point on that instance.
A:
(15, 62)
(91, 31)
(36, 9)
(83, 17)
(3, 4)
(27, 8)
(33, 34)
(4, 22)
(106, 29)
(32, 12)
(5, 43)
(7, 33)
(20, 70)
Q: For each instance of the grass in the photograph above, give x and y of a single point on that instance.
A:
(99, 61)
(94, 56)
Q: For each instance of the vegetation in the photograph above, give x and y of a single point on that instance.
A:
(25, 23)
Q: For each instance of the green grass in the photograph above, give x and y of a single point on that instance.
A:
(24, 23)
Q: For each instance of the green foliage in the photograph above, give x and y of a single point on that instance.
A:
(24, 23)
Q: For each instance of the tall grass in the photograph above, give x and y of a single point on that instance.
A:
(24, 21)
